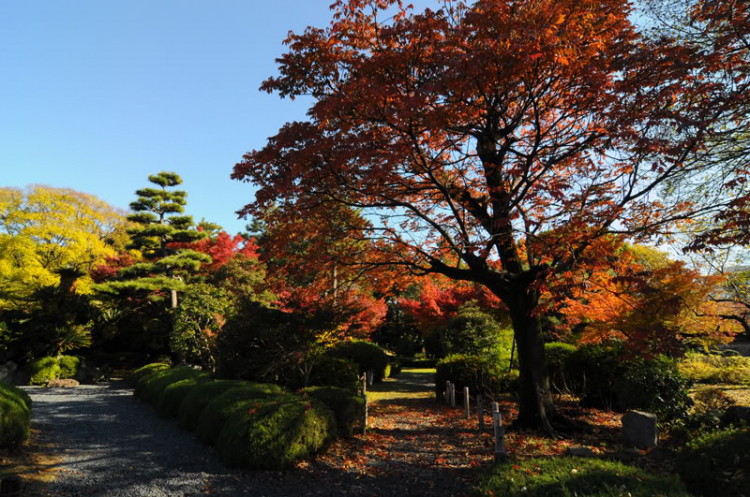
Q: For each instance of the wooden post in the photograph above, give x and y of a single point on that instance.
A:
(453, 395)
(448, 392)
(364, 421)
(497, 422)
(370, 376)
(480, 412)
(466, 402)
(364, 384)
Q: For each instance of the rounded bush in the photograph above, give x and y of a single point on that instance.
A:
(218, 411)
(69, 366)
(591, 372)
(366, 355)
(170, 399)
(43, 370)
(199, 397)
(348, 408)
(474, 332)
(717, 463)
(274, 434)
(328, 371)
(137, 375)
(481, 374)
(150, 387)
(15, 416)
(555, 357)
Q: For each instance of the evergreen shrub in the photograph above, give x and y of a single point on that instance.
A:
(717, 463)
(348, 408)
(15, 416)
(168, 403)
(69, 366)
(43, 370)
(555, 357)
(481, 374)
(150, 387)
(199, 397)
(135, 376)
(366, 355)
(328, 371)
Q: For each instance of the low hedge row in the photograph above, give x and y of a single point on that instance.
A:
(45, 369)
(15, 416)
(256, 425)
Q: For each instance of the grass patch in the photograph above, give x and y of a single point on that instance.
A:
(412, 384)
(575, 477)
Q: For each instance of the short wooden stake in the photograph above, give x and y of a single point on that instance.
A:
(466, 402)
(364, 384)
(480, 412)
(453, 395)
(447, 392)
(497, 422)
(364, 421)
(370, 376)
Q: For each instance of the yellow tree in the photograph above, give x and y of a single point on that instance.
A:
(47, 232)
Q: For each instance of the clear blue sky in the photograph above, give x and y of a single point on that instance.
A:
(97, 94)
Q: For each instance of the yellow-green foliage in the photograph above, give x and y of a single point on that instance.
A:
(215, 414)
(43, 229)
(69, 366)
(43, 370)
(168, 403)
(714, 368)
(274, 433)
(140, 373)
(15, 416)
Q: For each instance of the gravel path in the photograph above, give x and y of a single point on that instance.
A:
(113, 444)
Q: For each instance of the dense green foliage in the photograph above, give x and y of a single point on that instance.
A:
(366, 355)
(136, 376)
(592, 371)
(43, 370)
(274, 433)
(481, 374)
(717, 463)
(575, 477)
(348, 407)
(150, 387)
(168, 403)
(69, 366)
(199, 397)
(556, 356)
(328, 371)
(475, 332)
(15, 416)
(215, 415)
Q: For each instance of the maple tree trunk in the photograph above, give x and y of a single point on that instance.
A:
(535, 398)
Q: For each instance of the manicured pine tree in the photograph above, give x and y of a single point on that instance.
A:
(158, 227)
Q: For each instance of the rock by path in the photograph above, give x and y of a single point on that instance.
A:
(112, 444)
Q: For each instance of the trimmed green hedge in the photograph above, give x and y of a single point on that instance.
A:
(480, 373)
(348, 408)
(328, 371)
(366, 355)
(15, 416)
(556, 355)
(572, 476)
(168, 403)
(199, 397)
(215, 414)
(276, 432)
(69, 365)
(140, 373)
(150, 387)
(717, 463)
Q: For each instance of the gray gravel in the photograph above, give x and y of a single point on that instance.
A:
(113, 444)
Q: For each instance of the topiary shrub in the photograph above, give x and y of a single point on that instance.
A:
(480, 373)
(69, 366)
(328, 371)
(717, 463)
(348, 408)
(15, 416)
(43, 370)
(591, 372)
(199, 397)
(575, 476)
(274, 434)
(150, 387)
(556, 355)
(168, 403)
(655, 386)
(366, 355)
(135, 376)
(218, 411)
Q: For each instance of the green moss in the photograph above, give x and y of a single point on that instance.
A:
(219, 410)
(274, 434)
(348, 408)
(571, 476)
(168, 403)
(43, 370)
(69, 366)
(717, 463)
(199, 397)
(15, 416)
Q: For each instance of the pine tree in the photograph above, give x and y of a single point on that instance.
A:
(157, 227)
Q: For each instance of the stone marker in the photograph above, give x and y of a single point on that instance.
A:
(497, 422)
(580, 451)
(639, 429)
(364, 421)
(370, 378)
(448, 392)
(453, 395)
(62, 383)
(735, 415)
